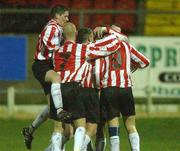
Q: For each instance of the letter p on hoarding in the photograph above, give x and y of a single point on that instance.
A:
(155, 55)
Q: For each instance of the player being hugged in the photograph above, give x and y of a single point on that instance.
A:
(116, 93)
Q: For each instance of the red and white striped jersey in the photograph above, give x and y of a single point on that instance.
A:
(99, 67)
(99, 71)
(90, 80)
(72, 59)
(87, 81)
(49, 41)
(115, 70)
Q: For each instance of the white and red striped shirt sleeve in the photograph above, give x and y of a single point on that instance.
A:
(49, 41)
(138, 59)
(51, 37)
(93, 51)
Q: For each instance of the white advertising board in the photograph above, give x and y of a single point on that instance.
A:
(163, 74)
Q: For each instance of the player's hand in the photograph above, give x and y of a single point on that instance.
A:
(133, 68)
(116, 28)
(99, 31)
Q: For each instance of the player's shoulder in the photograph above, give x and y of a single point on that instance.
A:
(53, 25)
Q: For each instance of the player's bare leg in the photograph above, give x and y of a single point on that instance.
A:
(114, 134)
(132, 131)
(80, 132)
(52, 76)
(56, 138)
(91, 129)
(67, 134)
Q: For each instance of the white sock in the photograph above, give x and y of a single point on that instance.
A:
(114, 143)
(56, 95)
(135, 141)
(41, 117)
(79, 137)
(56, 141)
(87, 140)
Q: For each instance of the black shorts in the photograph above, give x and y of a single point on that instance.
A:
(71, 102)
(91, 103)
(116, 100)
(39, 69)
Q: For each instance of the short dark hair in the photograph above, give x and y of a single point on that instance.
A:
(83, 34)
(58, 9)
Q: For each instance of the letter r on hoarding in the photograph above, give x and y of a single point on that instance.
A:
(171, 57)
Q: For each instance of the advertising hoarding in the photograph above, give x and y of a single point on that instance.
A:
(163, 74)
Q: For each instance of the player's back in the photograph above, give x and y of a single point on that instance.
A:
(117, 68)
(70, 61)
(71, 55)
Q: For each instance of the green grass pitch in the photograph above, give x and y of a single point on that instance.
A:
(156, 134)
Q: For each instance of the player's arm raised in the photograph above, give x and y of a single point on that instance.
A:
(93, 51)
(114, 30)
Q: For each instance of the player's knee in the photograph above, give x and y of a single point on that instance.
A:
(58, 127)
(52, 76)
(56, 78)
(80, 122)
(114, 122)
(131, 128)
(130, 124)
(67, 133)
(91, 131)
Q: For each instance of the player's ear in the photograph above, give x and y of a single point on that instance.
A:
(57, 16)
(76, 34)
(89, 38)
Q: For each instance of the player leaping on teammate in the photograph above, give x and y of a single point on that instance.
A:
(49, 41)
